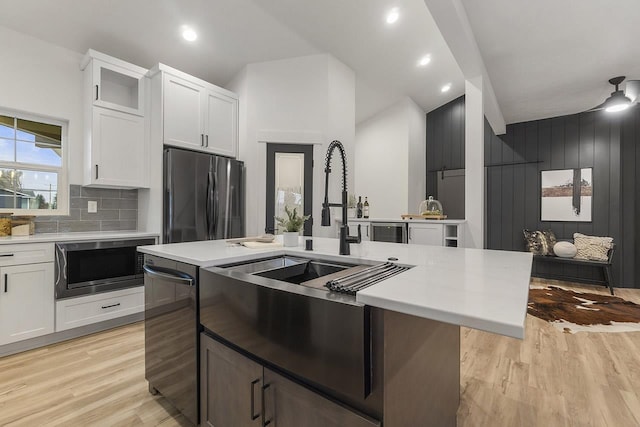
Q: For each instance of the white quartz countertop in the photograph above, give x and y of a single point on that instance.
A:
(69, 237)
(481, 289)
(428, 221)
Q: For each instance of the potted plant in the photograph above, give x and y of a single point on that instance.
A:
(291, 226)
(351, 206)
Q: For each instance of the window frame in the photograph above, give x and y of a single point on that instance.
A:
(62, 170)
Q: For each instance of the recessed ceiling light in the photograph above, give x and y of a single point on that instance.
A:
(446, 88)
(424, 60)
(393, 15)
(189, 34)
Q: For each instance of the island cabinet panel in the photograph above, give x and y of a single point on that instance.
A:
(230, 386)
(237, 391)
(288, 404)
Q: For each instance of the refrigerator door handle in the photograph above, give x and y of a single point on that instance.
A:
(216, 204)
(210, 190)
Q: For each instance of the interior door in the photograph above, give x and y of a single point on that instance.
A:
(289, 183)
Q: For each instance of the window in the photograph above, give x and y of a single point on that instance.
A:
(32, 165)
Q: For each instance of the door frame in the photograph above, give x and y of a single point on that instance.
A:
(307, 150)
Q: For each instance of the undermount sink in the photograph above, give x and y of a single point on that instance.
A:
(290, 269)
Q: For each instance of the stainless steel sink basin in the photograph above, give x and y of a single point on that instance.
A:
(290, 269)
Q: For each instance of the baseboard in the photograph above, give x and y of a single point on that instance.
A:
(56, 337)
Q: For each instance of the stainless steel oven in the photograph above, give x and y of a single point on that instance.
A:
(394, 232)
(83, 268)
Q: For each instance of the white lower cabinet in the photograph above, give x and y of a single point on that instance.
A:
(237, 391)
(26, 301)
(80, 311)
(365, 229)
(426, 234)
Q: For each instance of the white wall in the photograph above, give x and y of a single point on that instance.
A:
(390, 160)
(44, 79)
(308, 99)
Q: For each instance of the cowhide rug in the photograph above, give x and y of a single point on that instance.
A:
(572, 311)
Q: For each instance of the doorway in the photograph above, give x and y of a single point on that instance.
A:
(289, 183)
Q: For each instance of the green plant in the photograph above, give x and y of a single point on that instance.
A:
(293, 222)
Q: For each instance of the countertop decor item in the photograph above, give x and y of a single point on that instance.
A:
(5, 224)
(291, 225)
(22, 225)
(431, 208)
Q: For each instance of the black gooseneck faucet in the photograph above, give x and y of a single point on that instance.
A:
(345, 239)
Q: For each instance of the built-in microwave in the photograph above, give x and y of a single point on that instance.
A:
(393, 232)
(83, 268)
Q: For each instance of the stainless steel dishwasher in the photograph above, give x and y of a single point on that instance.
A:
(171, 333)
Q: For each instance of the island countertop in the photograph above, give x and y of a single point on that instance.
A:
(476, 288)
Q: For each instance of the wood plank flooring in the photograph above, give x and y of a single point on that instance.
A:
(549, 379)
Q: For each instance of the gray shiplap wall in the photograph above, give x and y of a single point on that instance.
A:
(117, 210)
(445, 141)
(608, 144)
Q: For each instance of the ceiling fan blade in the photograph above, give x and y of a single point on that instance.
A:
(632, 90)
(596, 108)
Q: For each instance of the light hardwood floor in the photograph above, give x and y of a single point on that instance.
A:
(549, 379)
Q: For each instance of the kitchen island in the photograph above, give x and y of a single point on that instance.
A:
(409, 350)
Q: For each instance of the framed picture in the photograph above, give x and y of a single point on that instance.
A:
(566, 195)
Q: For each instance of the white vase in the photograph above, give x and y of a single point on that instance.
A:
(290, 238)
(351, 212)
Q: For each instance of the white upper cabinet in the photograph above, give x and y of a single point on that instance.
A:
(195, 114)
(183, 112)
(116, 126)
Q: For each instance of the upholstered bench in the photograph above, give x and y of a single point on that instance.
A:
(605, 265)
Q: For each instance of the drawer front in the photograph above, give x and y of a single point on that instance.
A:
(75, 312)
(26, 253)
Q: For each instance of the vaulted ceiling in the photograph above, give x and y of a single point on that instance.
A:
(545, 58)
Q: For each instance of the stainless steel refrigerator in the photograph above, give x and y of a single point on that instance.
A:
(203, 196)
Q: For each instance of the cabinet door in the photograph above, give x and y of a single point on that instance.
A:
(183, 113)
(26, 301)
(230, 386)
(426, 234)
(117, 88)
(221, 124)
(119, 151)
(288, 404)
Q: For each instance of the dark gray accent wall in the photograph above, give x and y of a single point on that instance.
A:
(117, 210)
(445, 141)
(607, 143)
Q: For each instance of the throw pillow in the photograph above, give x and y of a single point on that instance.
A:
(565, 249)
(532, 241)
(592, 247)
(539, 242)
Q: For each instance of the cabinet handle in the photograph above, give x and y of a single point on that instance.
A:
(367, 231)
(5, 255)
(202, 139)
(96, 92)
(265, 422)
(206, 138)
(96, 171)
(254, 416)
(6, 281)
(112, 305)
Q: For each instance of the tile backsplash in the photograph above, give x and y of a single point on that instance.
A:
(117, 210)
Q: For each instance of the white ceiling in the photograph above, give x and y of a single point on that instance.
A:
(547, 58)
(233, 33)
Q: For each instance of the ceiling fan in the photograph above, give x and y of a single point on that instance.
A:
(619, 100)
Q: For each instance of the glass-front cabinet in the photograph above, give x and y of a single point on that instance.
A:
(115, 86)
